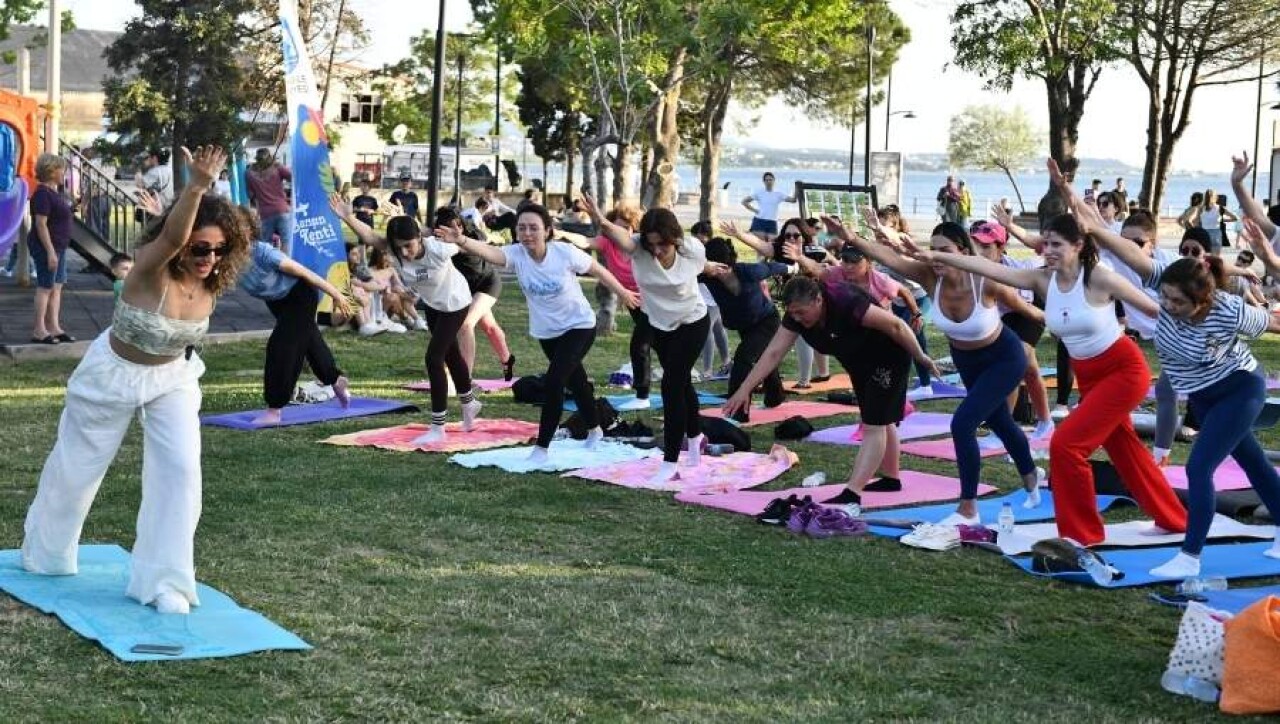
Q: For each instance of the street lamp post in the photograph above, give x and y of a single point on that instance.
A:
(887, 116)
(457, 136)
(853, 136)
(866, 153)
(437, 108)
(1257, 122)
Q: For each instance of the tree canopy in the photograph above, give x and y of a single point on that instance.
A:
(990, 137)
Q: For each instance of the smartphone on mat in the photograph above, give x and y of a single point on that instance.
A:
(157, 649)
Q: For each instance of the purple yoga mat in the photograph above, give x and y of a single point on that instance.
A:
(916, 425)
(484, 385)
(945, 449)
(916, 488)
(307, 414)
(937, 390)
(1228, 476)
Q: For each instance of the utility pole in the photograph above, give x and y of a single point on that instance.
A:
(437, 108)
(53, 79)
(866, 153)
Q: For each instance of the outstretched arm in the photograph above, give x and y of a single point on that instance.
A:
(1031, 279)
(203, 167)
(760, 246)
(343, 209)
(488, 252)
(782, 341)
(881, 253)
(1252, 233)
(294, 269)
(1028, 239)
(620, 237)
(629, 298)
(1249, 206)
(1016, 304)
(1121, 289)
(1126, 251)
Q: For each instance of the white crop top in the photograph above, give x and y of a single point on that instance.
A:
(154, 333)
(1086, 330)
(980, 323)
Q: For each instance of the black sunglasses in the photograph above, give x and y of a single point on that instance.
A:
(1192, 251)
(201, 251)
(792, 235)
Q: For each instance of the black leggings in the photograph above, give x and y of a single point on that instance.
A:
(566, 353)
(641, 341)
(1066, 378)
(754, 340)
(295, 338)
(444, 359)
(678, 351)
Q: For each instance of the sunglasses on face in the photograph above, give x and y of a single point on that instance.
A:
(203, 250)
(1191, 251)
(792, 235)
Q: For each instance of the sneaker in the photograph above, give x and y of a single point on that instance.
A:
(419, 325)
(368, 329)
(639, 403)
(976, 534)
(831, 522)
(932, 537)
(1043, 429)
(990, 442)
(778, 512)
(798, 521)
(395, 327)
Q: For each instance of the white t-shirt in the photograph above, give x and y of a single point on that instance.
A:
(670, 297)
(555, 299)
(707, 299)
(435, 278)
(1133, 319)
(474, 216)
(767, 203)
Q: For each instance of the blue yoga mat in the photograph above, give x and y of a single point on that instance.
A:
(92, 603)
(310, 413)
(988, 508)
(1235, 600)
(655, 402)
(1239, 560)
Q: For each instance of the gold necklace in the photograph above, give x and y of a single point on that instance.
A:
(189, 291)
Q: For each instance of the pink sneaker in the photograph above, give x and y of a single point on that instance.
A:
(857, 434)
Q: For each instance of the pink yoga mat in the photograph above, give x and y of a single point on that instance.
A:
(735, 471)
(771, 415)
(484, 385)
(916, 425)
(1228, 476)
(487, 434)
(945, 449)
(916, 488)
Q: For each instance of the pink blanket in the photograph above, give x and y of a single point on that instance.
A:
(735, 471)
(772, 415)
(916, 488)
(1228, 476)
(484, 385)
(487, 434)
(945, 449)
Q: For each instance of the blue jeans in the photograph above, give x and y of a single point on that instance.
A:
(1226, 410)
(281, 224)
(901, 312)
(989, 375)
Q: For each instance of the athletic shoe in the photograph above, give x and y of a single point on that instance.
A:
(368, 329)
(638, 403)
(394, 327)
(976, 534)
(1043, 430)
(831, 522)
(778, 512)
(420, 325)
(800, 517)
(990, 442)
(932, 537)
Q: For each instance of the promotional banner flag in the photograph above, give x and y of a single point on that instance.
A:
(317, 232)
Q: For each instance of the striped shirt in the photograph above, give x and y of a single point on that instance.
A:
(1196, 356)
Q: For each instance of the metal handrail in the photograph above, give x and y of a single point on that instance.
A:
(104, 206)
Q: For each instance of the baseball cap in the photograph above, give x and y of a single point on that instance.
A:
(851, 253)
(986, 232)
(406, 176)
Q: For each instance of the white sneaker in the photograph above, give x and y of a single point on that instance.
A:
(990, 442)
(470, 412)
(420, 325)
(395, 327)
(1059, 412)
(932, 537)
(635, 404)
(368, 329)
(1043, 429)
(956, 519)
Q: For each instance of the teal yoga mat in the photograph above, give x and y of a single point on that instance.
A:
(1239, 560)
(988, 508)
(92, 603)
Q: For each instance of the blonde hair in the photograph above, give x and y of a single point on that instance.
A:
(47, 164)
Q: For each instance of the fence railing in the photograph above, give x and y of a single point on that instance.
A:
(105, 206)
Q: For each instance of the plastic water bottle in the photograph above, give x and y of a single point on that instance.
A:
(1188, 685)
(1200, 584)
(813, 480)
(1005, 521)
(715, 450)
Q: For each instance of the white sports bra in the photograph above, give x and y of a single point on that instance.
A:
(1086, 330)
(980, 323)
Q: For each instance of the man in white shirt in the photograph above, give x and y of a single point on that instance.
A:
(764, 204)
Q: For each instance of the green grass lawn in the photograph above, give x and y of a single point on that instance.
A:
(431, 592)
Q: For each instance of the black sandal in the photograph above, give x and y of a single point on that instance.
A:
(64, 337)
(508, 368)
(47, 339)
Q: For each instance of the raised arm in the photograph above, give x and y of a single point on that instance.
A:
(1031, 279)
(760, 246)
(343, 209)
(810, 267)
(576, 239)
(1005, 219)
(203, 167)
(1258, 241)
(881, 254)
(1252, 209)
(1129, 253)
(1121, 289)
(488, 252)
(621, 237)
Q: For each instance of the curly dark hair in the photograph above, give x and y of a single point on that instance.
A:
(663, 223)
(238, 230)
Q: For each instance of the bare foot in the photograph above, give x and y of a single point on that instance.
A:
(272, 416)
(340, 391)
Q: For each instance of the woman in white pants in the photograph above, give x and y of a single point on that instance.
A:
(145, 365)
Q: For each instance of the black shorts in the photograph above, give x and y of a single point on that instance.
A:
(879, 369)
(488, 283)
(1028, 330)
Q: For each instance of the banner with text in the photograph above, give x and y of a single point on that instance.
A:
(317, 232)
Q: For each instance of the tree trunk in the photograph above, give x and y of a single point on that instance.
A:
(571, 148)
(1154, 143)
(646, 165)
(545, 188)
(661, 176)
(1022, 206)
(714, 109)
(624, 168)
(1064, 123)
(180, 128)
(602, 163)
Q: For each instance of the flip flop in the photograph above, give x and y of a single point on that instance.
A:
(64, 337)
(47, 339)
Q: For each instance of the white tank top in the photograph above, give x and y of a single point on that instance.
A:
(1086, 330)
(980, 323)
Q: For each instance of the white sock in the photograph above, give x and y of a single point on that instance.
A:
(1155, 530)
(1033, 493)
(1180, 566)
(1159, 453)
(435, 434)
(594, 436)
(1274, 550)
(538, 455)
(693, 455)
(171, 602)
(666, 474)
(470, 411)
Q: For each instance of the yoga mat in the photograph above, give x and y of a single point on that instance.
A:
(92, 603)
(916, 488)
(1235, 600)
(735, 471)
(483, 385)
(309, 413)
(837, 382)
(945, 449)
(1130, 534)
(562, 455)
(916, 425)
(790, 408)
(1235, 503)
(937, 390)
(486, 434)
(988, 510)
(1229, 560)
(1228, 476)
(655, 401)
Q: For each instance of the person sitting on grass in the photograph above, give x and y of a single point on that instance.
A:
(396, 299)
